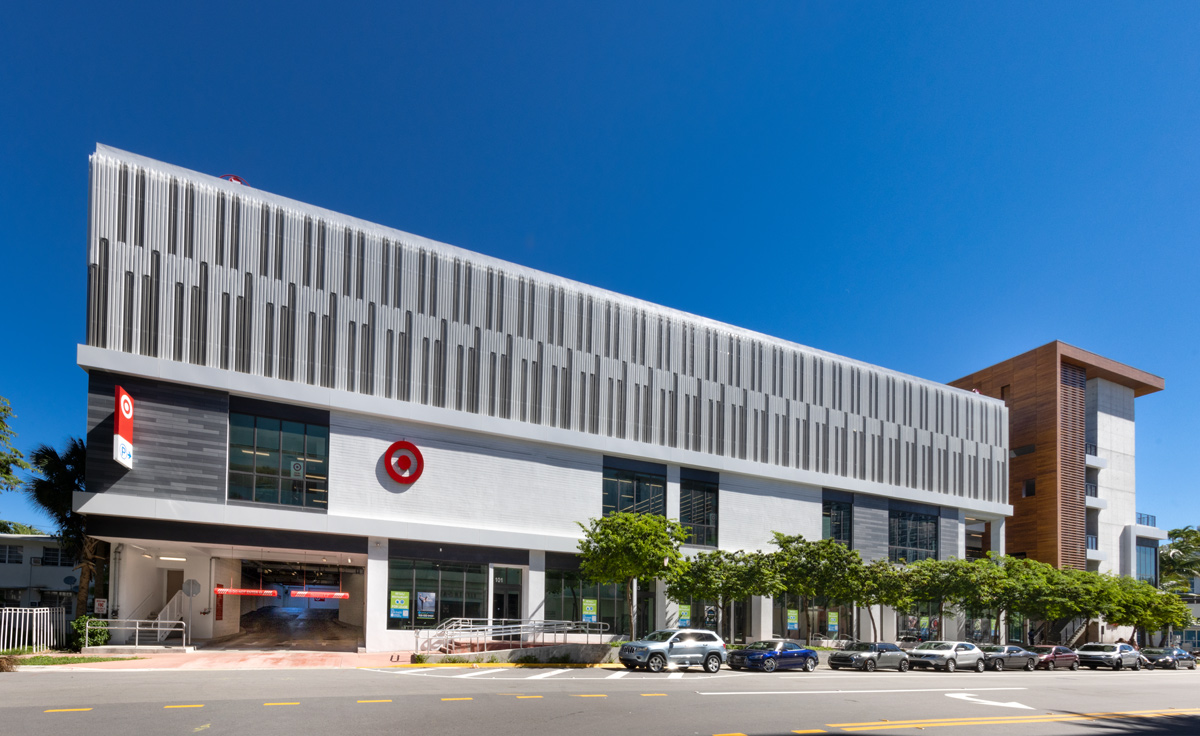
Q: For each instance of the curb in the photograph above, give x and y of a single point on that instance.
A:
(497, 665)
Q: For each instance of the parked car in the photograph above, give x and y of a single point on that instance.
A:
(1051, 657)
(947, 655)
(869, 656)
(908, 642)
(1115, 656)
(772, 654)
(1170, 658)
(1008, 656)
(680, 648)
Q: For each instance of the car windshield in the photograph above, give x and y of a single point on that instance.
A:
(859, 647)
(1154, 651)
(1098, 648)
(764, 645)
(1043, 649)
(939, 645)
(663, 635)
(992, 648)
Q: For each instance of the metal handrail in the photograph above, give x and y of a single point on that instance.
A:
(451, 632)
(139, 625)
(1147, 519)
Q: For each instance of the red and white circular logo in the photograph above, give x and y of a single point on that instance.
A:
(404, 462)
(126, 406)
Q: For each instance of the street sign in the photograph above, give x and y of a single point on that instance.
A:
(101, 606)
(191, 587)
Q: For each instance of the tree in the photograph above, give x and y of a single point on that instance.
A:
(724, 577)
(16, 527)
(814, 570)
(55, 478)
(878, 583)
(1179, 559)
(622, 547)
(11, 459)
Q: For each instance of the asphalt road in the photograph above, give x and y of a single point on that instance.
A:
(580, 702)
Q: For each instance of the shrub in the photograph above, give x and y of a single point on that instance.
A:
(419, 658)
(99, 633)
(8, 664)
(527, 659)
(454, 659)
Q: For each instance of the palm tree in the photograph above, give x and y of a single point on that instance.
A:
(1179, 559)
(55, 478)
(16, 527)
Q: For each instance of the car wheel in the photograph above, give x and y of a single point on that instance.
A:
(1050, 665)
(869, 665)
(951, 665)
(998, 665)
(1092, 667)
(810, 664)
(1030, 665)
(1074, 666)
(1117, 666)
(712, 663)
(735, 666)
(903, 666)
(656, 663)
(769, 664)
(629, 666)
(834, 667)
(980, 665)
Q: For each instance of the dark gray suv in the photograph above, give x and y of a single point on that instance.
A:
(680, 648)
(869, 656)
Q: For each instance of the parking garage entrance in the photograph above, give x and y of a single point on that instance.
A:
(311, 606)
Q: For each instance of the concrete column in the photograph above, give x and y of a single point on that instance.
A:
(533, 592)
(376, 584)
(759, 624)
(673, 492)
(666, 611)
(996, 540)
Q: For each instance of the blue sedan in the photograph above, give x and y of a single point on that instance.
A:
(772, 654)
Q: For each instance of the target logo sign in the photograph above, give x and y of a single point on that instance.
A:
(123, 429)
(404, 462)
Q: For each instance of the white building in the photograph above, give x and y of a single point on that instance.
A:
(34, 573)
(326, 405)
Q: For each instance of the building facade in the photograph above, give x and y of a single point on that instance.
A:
(1072, 475)
(35, 573)
(324, 405)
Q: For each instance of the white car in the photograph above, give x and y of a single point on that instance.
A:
(948, 656)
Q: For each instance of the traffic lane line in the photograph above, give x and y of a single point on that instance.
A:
(183, 706)
(374, 701)
(528, 697)
(66, 710)
(1010, 720)
(446, 699)
(296, 703)
(861, 692)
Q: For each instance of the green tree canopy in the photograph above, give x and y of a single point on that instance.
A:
(16, 527)
(1179, 559)
(56, 477)
(815, 569)
(622, 547)
(11, 459)
(723, 577)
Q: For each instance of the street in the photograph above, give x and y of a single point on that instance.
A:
(503, 701)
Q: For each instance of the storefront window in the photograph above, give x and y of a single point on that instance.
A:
(698, 511)
(920, 621)
(423, 593)
(835, 521)
(278, 461)
(566, 592)
(634, 491)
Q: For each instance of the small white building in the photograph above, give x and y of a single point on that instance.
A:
(34, 573)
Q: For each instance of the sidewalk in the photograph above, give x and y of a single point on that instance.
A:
(241, 660)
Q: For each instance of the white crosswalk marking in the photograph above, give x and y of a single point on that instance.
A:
(617, 675)
(476, 673)
(544, 675)
(675, 676)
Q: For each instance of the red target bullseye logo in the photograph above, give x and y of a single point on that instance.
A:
(126, 406)
(404, 462)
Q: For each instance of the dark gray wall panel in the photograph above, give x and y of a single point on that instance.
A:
(179, 440)
(948, 537)
(869, 524)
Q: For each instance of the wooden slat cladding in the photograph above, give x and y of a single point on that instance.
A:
(1072, 506)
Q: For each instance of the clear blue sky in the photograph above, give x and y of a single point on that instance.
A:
(931, 187)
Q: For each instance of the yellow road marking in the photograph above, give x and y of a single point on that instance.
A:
(589, 696)
(654, 695)
(183, 706)
(281, 703)
(457, 698)
(374, 701)
(811, 730)
(65, 710)
(526, 697)
(729, 734)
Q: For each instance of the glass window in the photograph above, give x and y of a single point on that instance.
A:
(698, 511)
(1147, 561)
(912, 536)
(277, 461)
(835, 521)
(11, 554)
(642, 493)
(423, 593)
(566, 590)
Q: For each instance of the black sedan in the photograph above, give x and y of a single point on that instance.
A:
(1169, 659)
(1000, 657)
(772, 654)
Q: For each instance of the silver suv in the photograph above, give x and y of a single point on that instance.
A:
(1115, 656)
(947, 655)
(680, 648)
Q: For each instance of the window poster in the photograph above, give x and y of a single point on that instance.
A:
(685, 616)
(589, 610)
(398, 604)
(833, 622)
(793, 619)
(426, 605)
